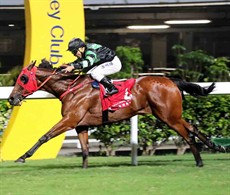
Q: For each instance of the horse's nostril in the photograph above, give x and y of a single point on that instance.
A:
(10, 99)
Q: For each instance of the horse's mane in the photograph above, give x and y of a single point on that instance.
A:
(45, 64)
(48, 66)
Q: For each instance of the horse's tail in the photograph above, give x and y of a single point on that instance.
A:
(192, 88)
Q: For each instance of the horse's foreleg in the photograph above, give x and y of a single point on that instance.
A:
(32, 150)
(58, 129)
(83, 137)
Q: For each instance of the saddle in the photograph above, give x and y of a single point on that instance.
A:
(119, 100)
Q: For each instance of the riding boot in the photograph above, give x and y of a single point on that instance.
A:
(109, 87)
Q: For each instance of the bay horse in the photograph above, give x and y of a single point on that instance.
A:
(81, 108)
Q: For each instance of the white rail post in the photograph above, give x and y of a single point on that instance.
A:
(134, 139)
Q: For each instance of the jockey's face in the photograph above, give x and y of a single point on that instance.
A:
(80, 52)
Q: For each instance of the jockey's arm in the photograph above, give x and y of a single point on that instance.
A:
(90, 58)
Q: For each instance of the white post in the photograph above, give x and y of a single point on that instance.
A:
(134, 138)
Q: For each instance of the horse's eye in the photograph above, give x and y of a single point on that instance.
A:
(24, 79)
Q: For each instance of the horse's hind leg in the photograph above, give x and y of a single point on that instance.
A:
(189, 132)
(83, 137)
(178, 126)
(174, 121)
(203, 138)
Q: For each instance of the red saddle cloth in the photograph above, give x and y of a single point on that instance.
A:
(119, 100)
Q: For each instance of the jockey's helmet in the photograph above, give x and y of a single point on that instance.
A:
(75, 44)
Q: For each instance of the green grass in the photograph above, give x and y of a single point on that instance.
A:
(160, 175)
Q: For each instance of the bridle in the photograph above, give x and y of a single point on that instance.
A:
(27, 80)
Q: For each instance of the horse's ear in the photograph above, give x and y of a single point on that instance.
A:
(32, 64)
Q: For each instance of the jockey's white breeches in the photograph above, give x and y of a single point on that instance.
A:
(107, 68)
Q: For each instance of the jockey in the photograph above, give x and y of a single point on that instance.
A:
(96, 60)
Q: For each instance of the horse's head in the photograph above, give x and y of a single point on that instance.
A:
(26, 84)
(33, 78)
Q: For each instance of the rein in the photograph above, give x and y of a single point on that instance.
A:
(71, 88)
(45, 81)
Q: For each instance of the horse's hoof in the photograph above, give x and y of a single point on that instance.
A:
(199, 164)
(20, 160)
(222, 149)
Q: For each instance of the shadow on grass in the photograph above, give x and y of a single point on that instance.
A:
(142, 162)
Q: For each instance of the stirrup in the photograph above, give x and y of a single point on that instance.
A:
(110, 93)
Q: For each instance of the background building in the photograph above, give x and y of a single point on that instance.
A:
(107, 20)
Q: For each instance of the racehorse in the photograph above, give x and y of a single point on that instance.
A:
(81, 105)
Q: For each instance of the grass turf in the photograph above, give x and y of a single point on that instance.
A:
(161, 175)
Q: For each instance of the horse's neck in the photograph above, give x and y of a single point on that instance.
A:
(59, 83)
(49, 82)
